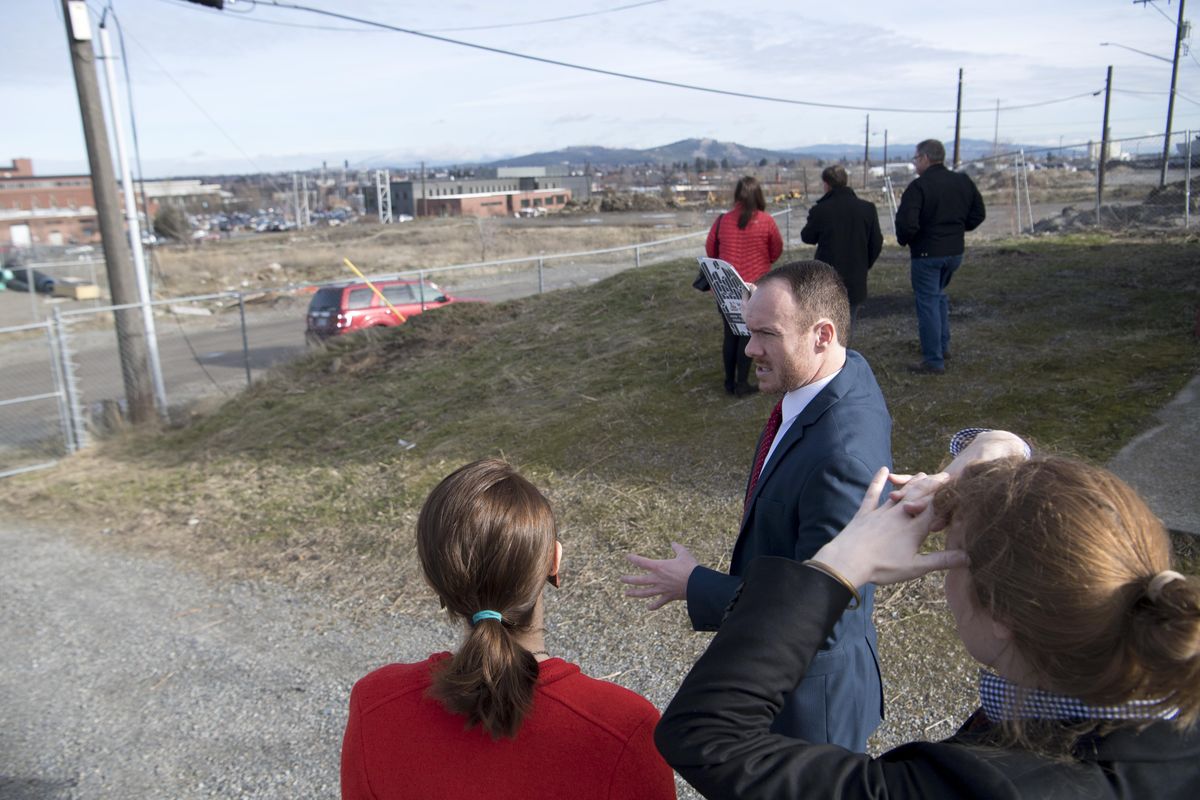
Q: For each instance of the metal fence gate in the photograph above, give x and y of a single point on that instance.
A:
(40, 413)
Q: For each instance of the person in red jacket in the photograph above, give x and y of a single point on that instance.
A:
(501, 717)
(748, 238)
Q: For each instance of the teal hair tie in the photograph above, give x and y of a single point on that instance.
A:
(479, 615)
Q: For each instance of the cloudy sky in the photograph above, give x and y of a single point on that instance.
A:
(259, 86)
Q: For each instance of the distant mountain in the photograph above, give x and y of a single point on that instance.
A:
(686, 150)
(969, 149)
(736, 154)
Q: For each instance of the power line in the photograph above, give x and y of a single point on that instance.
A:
(1161, 13)
(659, 81)
(544, 21)
(1178, 94)
(207, 116)
(254, 4)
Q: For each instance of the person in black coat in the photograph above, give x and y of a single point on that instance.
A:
(1060, 584)
(846, 233)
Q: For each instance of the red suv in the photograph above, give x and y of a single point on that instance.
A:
(347, 307)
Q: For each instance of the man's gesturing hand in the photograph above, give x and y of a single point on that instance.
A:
(663, 580)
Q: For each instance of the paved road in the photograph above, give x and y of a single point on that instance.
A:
(124, 676)
(204, 355)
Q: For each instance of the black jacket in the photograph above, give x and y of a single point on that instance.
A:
(846, 233)
(935, 210)
(715, 730)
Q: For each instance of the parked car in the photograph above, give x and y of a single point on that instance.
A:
(335, 310)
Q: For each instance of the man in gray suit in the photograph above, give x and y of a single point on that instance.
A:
(825, 440)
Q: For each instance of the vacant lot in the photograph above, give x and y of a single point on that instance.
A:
(610, 397)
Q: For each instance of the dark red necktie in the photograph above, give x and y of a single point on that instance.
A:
(764, 447)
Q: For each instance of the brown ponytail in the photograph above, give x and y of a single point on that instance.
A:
(1065, 555)
(485, 539)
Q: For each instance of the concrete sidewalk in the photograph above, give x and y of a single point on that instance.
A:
(1162, 462)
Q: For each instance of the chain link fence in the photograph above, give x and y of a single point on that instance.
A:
(64, 375)
(61, 356)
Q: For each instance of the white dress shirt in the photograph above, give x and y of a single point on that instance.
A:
(794, 402)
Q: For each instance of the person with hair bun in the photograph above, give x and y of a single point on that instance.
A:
(1060, 582)
(501, 717)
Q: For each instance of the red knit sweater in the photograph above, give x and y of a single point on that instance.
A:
(582, 739)
(753, 249)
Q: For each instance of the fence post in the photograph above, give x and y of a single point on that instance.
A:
(1187, 184)
(78, 430)
(787, 223)
(1017, 196)
(245, 339)
(421, 288)
(637, 255)
(64, 413)
(32, 289)
(541, 278)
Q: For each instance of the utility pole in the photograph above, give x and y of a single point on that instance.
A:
(131, 340)
(866, 152)
(996, 132)
(1179, 28)
(1103, 146)
(133, 225)
(958, 119)
(885, 153)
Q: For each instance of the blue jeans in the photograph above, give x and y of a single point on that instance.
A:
(930, 277)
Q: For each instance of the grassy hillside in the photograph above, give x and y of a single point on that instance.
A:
(611, 399)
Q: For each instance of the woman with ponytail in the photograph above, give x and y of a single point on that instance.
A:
(501, 717)
(1060, 582)
(747, 237)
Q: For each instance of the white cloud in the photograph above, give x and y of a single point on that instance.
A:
(275, 89)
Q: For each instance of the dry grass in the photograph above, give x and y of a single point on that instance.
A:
(278, 259)
(610, 398)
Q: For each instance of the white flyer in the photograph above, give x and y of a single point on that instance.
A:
(729, 290)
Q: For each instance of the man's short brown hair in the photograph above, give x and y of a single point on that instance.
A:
(835, 175)
(818, 291)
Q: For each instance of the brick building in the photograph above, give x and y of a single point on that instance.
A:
(61, 209)
(48, 209)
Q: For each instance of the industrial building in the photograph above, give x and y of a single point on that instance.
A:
(507, 191)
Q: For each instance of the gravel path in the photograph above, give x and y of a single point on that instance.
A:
(129, 677)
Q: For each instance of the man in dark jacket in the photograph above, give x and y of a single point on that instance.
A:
(935, 210)
(813, 463)
(846, 233)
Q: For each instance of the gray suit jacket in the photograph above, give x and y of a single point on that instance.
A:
(808, 491)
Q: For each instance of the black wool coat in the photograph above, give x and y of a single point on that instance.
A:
(846, 232)
(716, 732)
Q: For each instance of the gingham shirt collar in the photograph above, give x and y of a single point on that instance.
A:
(1003, 700)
